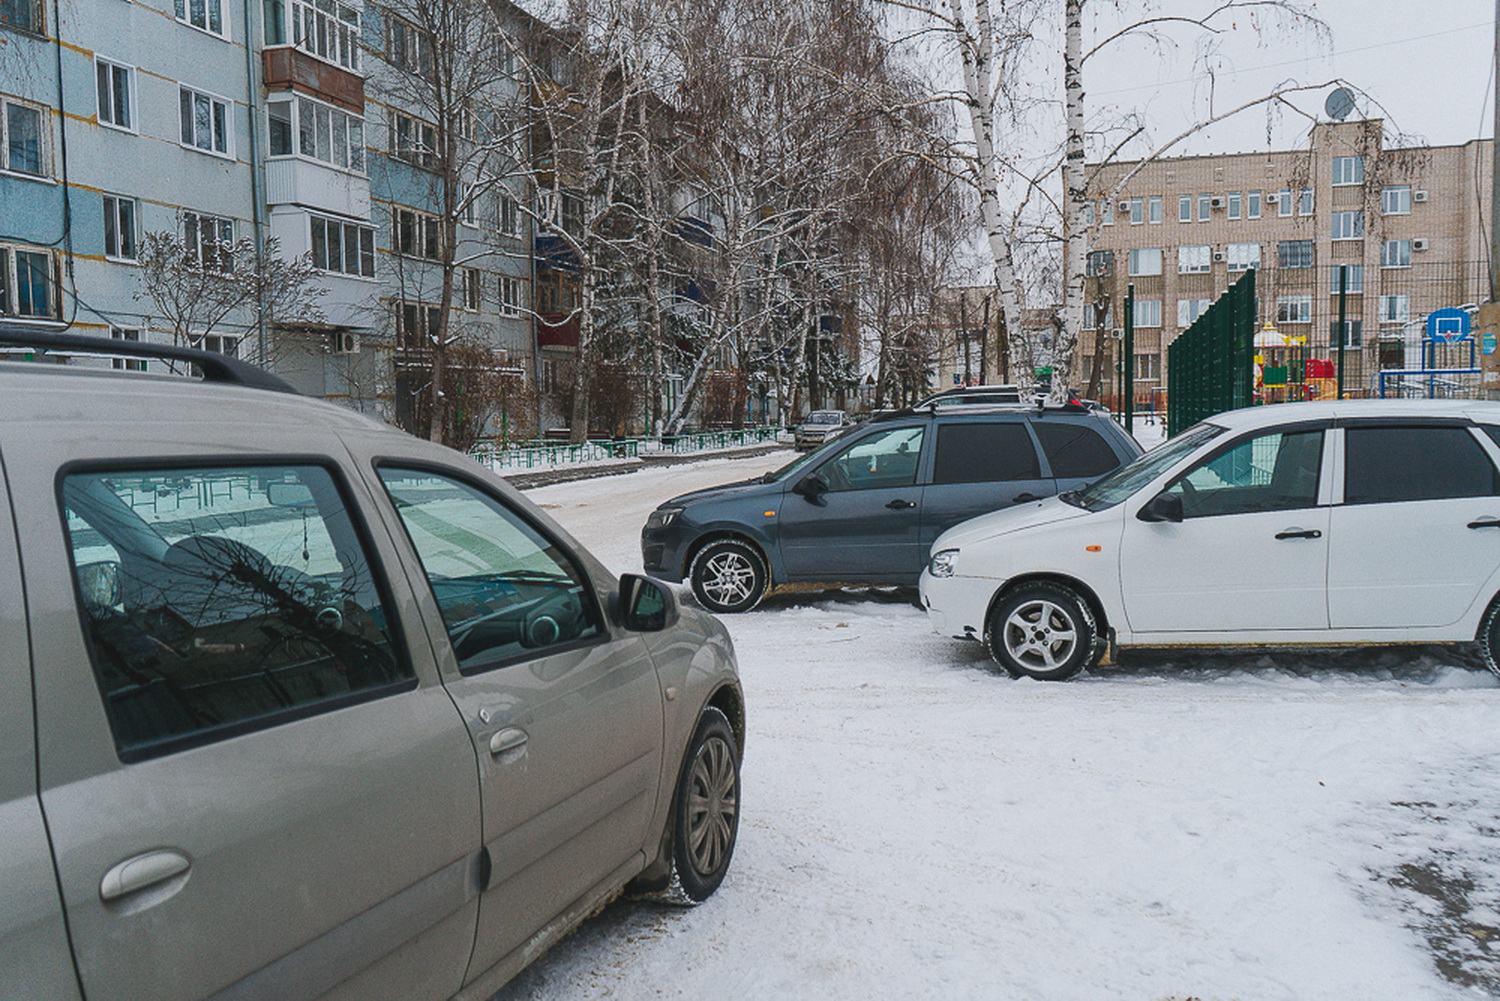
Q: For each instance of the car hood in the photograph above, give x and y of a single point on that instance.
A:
(1007, 520)
(727, 490)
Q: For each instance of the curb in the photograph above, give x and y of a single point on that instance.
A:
(550, 477)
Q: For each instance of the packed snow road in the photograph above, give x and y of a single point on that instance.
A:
(918, 825)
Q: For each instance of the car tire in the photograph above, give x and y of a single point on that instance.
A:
(705, 811)
(1489, 638)
(729, 576)
(1043, 631)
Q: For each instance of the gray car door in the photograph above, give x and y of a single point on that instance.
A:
(34, 958)
(564, 708)
(979, 467)
(253, 789)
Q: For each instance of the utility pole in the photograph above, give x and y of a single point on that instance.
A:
(1495, 174)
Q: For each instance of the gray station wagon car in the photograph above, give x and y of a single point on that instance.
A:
(294, 705)
(866, 508)
(819, 427)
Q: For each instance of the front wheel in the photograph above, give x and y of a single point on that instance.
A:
(706, 810)
(1043, 631)
(729, 576)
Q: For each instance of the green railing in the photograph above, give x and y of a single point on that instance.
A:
(545, 453)
(1211, 365)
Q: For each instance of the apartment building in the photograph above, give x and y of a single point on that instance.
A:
(1409, 224)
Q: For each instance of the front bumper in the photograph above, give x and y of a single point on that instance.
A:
(956, 606)
(662, 553)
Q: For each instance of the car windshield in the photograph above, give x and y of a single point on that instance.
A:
(825, 417)
(798, 463)
(1120, 484)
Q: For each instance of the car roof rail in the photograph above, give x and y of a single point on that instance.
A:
(214, 366)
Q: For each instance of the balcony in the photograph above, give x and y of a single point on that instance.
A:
(286, 66)
(556, 330)
(294, 181)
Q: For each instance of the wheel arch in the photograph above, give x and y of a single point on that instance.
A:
(733, 535)
(1101, 617)
(730, 701)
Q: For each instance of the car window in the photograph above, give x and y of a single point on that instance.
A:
(1135, 474)
(1385, 465)
(984, 453)
(506, 592)
(1270, 472)
(887, 459)
(218, 600)
(1075, 450)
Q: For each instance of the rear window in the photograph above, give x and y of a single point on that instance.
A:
(1075, 450)
(984, 453)
(1386, 465)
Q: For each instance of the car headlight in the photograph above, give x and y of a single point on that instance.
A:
(943, 563)
(662, 517)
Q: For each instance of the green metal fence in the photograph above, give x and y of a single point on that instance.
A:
(1211, 365)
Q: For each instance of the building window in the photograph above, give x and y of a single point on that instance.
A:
(205, 121)
(1100, 262)
(416, 325)
(413, 141)
(1348, 170)
(1294, 254)
(1205, 206)
(1242, 256)
(23, 14)
(119, 227)
(469, 281)
(1107, 212)
(325, 134)
(416, 234)
(1348, 225)
(1148, 312)
(1252, 205)
(1305, 202)
(343, 247)
(1145, 261)
(1356, 273)
(218, 344)
(209, 241)
(1095, 315)
(1395, 200)
(1395, 254)
(1395, 308)
(1194, 260)
(328, 30)
(1184, 208)
(407, 46)
(134, 337)
(1088, 215)
(1235, 201)
(28, 284)
(1294, 309)
(21, 137)
(512, 296)
(510, 215)
(115, 85)
(1153, 209)
(1188, 310)
(1148, 366)
(206, 15)
(1353, 338)
(1137, 210)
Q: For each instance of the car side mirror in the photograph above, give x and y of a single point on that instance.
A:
(1163, 507)
(810, 486)
(646, 606)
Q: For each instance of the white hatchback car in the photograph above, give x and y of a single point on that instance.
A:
(1363, 522)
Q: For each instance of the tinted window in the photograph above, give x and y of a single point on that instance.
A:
(885, 460)
(505, 591)
(984, 453)
(219, 600)
(1390, 464)
(1270, 472)
(1075, 450)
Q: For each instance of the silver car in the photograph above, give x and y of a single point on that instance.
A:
(294, 705)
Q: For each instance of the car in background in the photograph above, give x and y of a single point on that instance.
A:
(865, 508)
(1346, 523)
(295, 705)
(819, 427)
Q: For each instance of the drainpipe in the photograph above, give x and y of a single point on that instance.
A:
(257, 208)
(67, 189)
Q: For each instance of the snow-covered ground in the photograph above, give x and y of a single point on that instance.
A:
(1206, 826)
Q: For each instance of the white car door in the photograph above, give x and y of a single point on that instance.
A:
(1250, 551)
(1418, 532)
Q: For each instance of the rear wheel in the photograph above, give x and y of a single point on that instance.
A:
(1043, 631)
(1489, 638)
(706, 810)
(729, 576)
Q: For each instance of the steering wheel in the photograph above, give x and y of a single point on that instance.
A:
(834, 474)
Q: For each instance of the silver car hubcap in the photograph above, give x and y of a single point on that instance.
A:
(713, 802)
(728, 578)
(1040, 635)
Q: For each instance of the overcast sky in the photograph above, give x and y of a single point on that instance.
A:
(1429, 63)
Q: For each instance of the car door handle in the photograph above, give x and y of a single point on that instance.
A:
(1298, 533)
(507, 740)
(900, 505)
(1024, 498)
(1485, 523)
(135, 874)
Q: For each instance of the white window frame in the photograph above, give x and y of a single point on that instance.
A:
(184, 12)
(1205, 206)
(1294, 309)
(214, 100)
(1284, 199)
(1147, 313)
(1137, 210)
(1347, 224)
(425, 234)
(1148, 366)
(131, 335)
(314, 30)
(1107, 212)
(1153, 209)
(1184, 208)
(1356, 279)
(42, 137)
(1088, 215)
(1188, 311)
(36, 23)
(1237, 258)
(1234, 204)
(1395, 308)
(300, 107)
(510, 214)
(1348, 170)
(106, 116)
(415, 152)
(10, 289)
(1311, 254)
(194, 242)
(115, 213)
(471, 289)
(1252, 204)
(513, 296)
(1195, 259)
(1305, 202)
(364, 235)
(1397, 195)
(1141, 256)
(1353, 333)
(1395, 254)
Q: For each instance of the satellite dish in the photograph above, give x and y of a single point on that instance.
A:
(1339, 104)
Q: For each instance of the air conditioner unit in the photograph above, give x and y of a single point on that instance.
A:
(1419, 244)
(1419, 196)
(1218, 255)
(1217, 201)
(1124, 205)
(342, 342)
